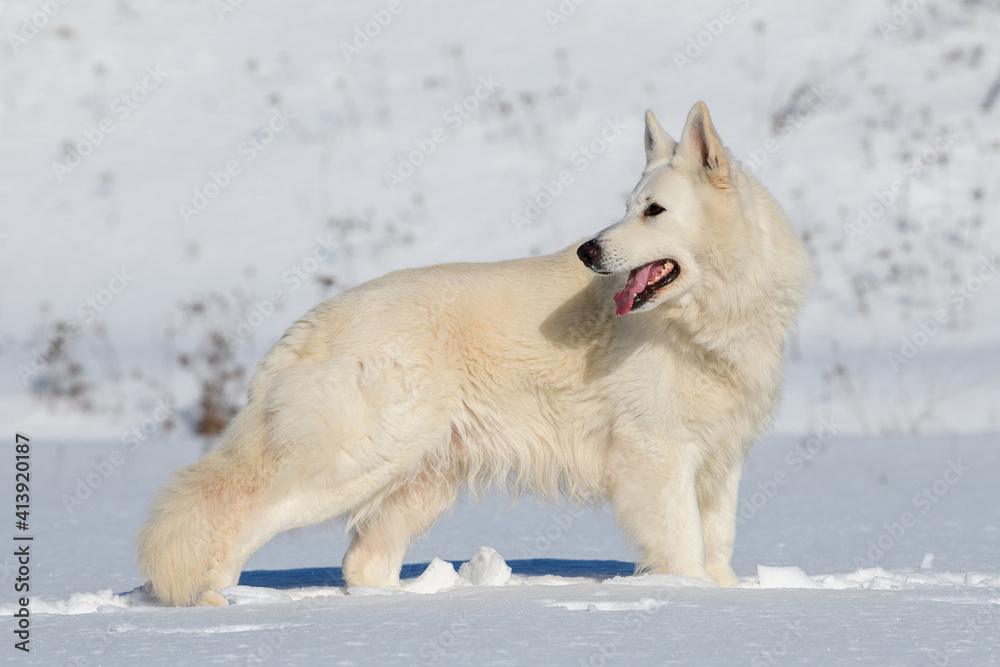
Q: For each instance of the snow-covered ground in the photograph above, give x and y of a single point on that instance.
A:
(238, 156)
(881, 552)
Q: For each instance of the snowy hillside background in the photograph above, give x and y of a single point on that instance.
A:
(831, 101)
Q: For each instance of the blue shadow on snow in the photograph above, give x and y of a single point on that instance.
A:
(535, 567)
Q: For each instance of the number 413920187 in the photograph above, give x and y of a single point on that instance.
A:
(22, 477)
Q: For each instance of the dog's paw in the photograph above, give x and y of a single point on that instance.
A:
(212, 599)
(723, 575)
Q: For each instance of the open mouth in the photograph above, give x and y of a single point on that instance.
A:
(644, 282)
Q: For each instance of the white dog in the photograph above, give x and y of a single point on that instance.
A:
(641, 375)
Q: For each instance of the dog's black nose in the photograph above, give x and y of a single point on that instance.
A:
(589, 253)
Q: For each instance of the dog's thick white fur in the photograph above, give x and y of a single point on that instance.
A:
(381, 403)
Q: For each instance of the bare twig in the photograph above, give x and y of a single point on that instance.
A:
(991, 94)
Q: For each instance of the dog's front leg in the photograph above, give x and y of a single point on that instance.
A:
(652, 489)
(718, 497)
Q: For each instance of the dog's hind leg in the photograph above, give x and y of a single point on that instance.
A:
(192, 543)
(385, 531)
(718, 498)
(216, 513)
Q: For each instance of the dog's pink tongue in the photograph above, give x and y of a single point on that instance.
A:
(637, 281)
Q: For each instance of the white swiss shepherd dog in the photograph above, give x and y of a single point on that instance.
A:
(638, 369)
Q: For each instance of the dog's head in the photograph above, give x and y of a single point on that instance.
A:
(681, 206)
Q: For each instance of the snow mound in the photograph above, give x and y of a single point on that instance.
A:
(439, 576)
(81, 603)
(872, 578)
(485, 568)
(784, 577)
(369, 591)
(311, 592)
(254, 595)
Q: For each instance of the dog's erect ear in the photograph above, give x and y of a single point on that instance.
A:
(701, 147)
(659, 144)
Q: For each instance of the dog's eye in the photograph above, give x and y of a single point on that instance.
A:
(653, 209)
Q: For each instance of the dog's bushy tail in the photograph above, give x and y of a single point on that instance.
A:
(189, 545)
